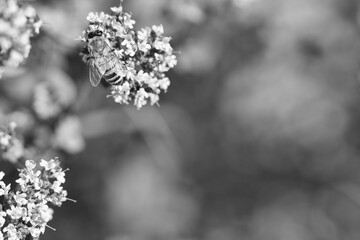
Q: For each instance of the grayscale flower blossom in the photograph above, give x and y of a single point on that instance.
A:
(137, 60)
(26, 211)
(18, 22)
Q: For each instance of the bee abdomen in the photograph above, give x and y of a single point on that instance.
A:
(112, 77)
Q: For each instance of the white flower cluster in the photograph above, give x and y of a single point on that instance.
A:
(18, 23)
(144, 56)
(25, 210)
(11, 149)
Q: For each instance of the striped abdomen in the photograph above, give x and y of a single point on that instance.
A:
(112, 77)
(112, 73)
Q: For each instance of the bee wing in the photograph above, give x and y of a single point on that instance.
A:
(111, 53)
(95, 74)
(119, 67)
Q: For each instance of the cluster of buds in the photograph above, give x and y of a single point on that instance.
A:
(11, 149)
(25, 210)
(141, 57)
(17, 24)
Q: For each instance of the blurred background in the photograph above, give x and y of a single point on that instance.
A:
(258, 137)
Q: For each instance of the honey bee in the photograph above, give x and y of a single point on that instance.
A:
(104, 64)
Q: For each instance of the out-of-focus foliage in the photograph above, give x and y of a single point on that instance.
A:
(257, 137)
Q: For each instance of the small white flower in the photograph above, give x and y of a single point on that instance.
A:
(159, 30)
(116, 9)
(57, 187)
(46, 213)
(49, 165)
(16, 212)
(121, 93)
(164, 83)
(163, 45)
(20, 198)
(2, 218)
(128, 22)
(143, 34)
(35, 232)
(171, 60)
(140, 98)
(154, 98)
(142, 77)
(10, 229)
(30, 165)
(144, 46)
(60, 176)
(92, 17)
(102, 17)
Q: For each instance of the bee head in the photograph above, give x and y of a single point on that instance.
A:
(96, 33)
